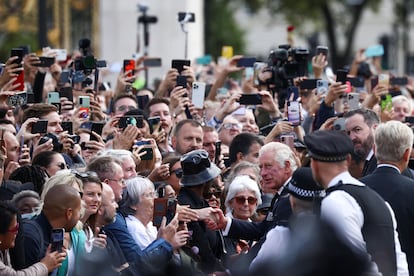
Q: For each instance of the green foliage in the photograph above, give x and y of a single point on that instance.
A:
(221, 28)
(12, 40)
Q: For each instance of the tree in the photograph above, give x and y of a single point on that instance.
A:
(338, 19)
(221, 28)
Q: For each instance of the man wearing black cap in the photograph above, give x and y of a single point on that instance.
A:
(356, 211)
(305, 199)
(198, 173)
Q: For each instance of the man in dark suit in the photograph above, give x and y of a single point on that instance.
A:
(277, 164)
(393, 145)
(360, 125)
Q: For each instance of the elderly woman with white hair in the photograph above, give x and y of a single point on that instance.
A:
(242, 199)
(139, 205)
(402, 107)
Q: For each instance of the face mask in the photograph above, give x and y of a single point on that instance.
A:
(28, 216)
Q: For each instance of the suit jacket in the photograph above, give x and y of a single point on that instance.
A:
(398, 191)
(280, 215)
(371, 165)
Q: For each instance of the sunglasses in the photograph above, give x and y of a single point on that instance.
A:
(84, 175)
(263, 211)
(208, 195)
(241, 200)
(178, 173)
(14, 230)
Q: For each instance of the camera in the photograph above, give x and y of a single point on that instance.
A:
(57, 146)
(285, 63)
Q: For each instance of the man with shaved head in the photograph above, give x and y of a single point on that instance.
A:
(61, 209)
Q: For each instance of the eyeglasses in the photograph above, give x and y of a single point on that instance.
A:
(232, 126)
(263, 211)
(149, 195)
(241, 200)
(208, 195)
(62, 166)
(122, 181)
(123, 108)
(178, 173)
(14, 230)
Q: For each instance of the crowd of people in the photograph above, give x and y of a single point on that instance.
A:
(297, 179)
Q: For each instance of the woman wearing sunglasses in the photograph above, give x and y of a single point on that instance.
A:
(9, 228)
(241, 202)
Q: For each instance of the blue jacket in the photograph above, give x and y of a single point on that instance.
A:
(153, 258)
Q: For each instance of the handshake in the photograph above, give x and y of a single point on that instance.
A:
(215, 219)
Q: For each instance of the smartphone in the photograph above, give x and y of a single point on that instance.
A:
(198, 94)
(96, 127)
(250, 99)
(308, 84)
(153, 122)
(322, 50)
(204, 60)
(129, 65)
(374, 51)
(341, 76)
(292, 93)
(57, 239)
(19, 52)
(386, 102)
(246, 62)
(39, 127)
(64, 77)
(179, 64)
(84, 103)
(218, 152)
(384, 79)
(163, 207)
(182, 81)
(67, 126)
(288, 140)
(17, 99)
(248, 73)
(227, 52)
(258, 67)
(409, 119)
(399, 81)
(53, 97)
(46, 61)
(353, 100)
(356, 82)
(149, 153)
(322, 87)
(142, 101)
(339, 124)
(61, 54)
(293, 112)
(374, 82)
(135, 120)
(66, 92)
(152, 62)
(348, 87)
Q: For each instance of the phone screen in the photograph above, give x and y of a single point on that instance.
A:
(57, 239)
(129, 65)
(293, 113)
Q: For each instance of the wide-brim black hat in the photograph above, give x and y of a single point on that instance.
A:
(197, 168)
